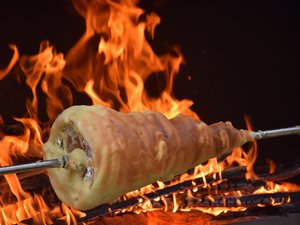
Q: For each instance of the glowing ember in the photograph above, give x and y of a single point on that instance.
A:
(111, 71)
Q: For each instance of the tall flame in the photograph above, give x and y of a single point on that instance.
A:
(119, 59)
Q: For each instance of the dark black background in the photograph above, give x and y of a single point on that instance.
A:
(243, 57)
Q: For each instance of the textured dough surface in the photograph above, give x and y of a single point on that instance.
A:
(133, 150)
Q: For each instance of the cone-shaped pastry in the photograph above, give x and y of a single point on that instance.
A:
(111, 153)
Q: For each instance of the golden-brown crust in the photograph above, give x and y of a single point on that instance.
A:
(133, 150)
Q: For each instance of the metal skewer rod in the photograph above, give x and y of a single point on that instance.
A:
(258, 135)
(42, 164)
(63, 161)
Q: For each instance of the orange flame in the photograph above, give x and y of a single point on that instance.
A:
(13, 61)
(109, 64)
(114, 75)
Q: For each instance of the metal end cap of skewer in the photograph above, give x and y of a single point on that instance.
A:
(258, 135)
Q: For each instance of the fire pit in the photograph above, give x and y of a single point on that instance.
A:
(114, 65)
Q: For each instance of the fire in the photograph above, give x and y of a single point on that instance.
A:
(273, 188)
(109, 65)
(113, 74)
(13, 61)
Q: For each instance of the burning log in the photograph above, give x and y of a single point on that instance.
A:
(283, 173)
(229, 201)
(242, 185)
(253, 200)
